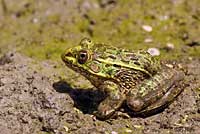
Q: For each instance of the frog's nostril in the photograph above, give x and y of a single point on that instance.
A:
(65, 55)
(71, 61)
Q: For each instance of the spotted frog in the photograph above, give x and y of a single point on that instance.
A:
(135, 78)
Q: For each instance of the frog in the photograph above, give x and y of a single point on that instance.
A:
(132, 77)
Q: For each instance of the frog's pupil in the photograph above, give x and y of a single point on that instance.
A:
(82, 57)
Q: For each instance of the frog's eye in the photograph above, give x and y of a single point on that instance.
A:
(82, 57)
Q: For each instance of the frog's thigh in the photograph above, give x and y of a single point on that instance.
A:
(112, 102)
(172, 93)
(153, 89)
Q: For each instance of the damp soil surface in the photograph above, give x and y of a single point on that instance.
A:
(33, 101)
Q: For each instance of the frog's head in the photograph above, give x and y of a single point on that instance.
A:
(85, 59)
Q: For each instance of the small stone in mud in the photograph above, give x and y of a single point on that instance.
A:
(153, 51)
(148, 40)
(66, 128)
(35, 20)
(170, 46)
(169, 65)
(164, 17)
(113, 132)
(147, 28)
(86, 5)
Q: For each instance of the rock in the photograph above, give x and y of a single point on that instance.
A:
(86, 5)
(147, 28)
(153, 51)
(169, 46)
(148, 40)
(113, 132)
(164, 17)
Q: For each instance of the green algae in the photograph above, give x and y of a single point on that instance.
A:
(42, 33)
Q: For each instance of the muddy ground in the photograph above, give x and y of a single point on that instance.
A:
(38, 94)
(33, 102)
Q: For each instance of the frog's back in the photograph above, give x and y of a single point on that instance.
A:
(129, 60)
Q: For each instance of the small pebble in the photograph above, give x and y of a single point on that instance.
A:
(148, 40)
(86, 5)
(180, 66)
(165, 17)
(66, 128)
(113, 132)
(170, 46)
(35, 20)
(169, 65)
(137, 126)
(190, 58)
(147, 28)
(153, 51)
(6, 80)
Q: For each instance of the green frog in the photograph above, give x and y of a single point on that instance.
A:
(135, 78)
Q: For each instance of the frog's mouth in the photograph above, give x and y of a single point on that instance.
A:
(68, 58)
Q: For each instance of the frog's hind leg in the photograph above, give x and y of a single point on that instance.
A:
(162, 103)
(155, 92)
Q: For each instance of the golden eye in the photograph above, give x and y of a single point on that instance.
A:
(82, 57)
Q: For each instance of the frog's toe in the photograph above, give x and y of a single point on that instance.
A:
(104, 112)
(135, 104)
(121, 114)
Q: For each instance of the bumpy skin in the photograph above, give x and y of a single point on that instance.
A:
(136, 78)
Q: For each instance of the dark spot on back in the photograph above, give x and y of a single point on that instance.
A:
(115, 65)
(107, 65)
(136, 62)
(112, 56)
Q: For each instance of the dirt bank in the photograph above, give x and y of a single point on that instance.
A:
(33, 102)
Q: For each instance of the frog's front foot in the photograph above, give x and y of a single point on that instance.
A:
(121, 114)
(112, 102)
(104, 111)
(108, 107)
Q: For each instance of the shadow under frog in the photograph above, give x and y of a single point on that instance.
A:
(87, 101)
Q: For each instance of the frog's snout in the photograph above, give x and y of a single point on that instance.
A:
(63, 56)
(68, 57)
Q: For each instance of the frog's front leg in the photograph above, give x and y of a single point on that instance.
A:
(156, 89)
(112, 102)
